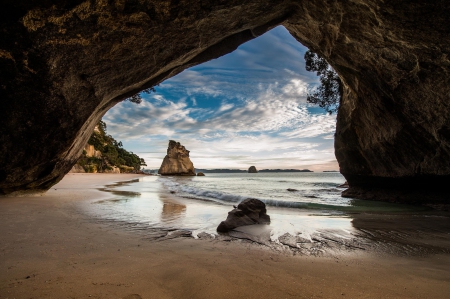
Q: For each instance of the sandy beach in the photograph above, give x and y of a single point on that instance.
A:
(49, 249)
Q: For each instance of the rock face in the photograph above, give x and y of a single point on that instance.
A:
(252, 169)
(177, 161)
(114, 169)
(249, 211)
(91, 151)
(65, 63)
(77, 169)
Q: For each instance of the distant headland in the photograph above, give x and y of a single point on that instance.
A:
(245, 171)
(286, 170)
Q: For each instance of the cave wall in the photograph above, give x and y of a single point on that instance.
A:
(65, 63)
(392, 139)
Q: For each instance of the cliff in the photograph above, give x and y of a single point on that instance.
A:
(65, 63)
(286, 170)
(90, 151)
(103, 153)
(177, 161)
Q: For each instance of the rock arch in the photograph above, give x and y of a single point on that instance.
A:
(65, 63)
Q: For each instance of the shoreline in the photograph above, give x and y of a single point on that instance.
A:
(49, 250)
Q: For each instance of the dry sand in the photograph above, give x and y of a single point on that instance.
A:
(49, 250)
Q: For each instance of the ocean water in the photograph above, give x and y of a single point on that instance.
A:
(311, 189)
(199, 204)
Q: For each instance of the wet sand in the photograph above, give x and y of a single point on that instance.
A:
(49, 249)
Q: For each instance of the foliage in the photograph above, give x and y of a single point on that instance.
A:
(328, 94)
(113, 154)
(137, 99)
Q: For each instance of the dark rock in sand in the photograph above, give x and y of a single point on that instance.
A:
(292, 190)
(291, 241)
(252, 169)
(200, 174)
(288, 239)
(248, 212)
(344, 185)
(205, 236)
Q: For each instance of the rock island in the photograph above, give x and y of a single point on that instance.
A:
(177, 161)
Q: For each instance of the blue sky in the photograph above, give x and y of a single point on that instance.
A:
(245, 108)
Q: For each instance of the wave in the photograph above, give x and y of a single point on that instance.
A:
(190, 192)
(213, 194)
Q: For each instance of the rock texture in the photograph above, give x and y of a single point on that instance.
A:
(252, 169)
(249, 211)
(114, 169)
(92, 152)
(65, 63)
(77, 169)
(177, 161)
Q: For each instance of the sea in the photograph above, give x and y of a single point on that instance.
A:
(299, 203)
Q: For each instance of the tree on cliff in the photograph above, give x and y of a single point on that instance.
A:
(112, 152)
(137, 99)
(328, 94)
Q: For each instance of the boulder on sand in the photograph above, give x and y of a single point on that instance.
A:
(248, 212)
(200, 174)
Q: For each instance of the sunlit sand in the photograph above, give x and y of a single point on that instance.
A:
(52, 248)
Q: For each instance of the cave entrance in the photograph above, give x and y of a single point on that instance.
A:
(67, 65)
(245, 108)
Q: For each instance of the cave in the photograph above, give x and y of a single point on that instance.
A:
(65, 63)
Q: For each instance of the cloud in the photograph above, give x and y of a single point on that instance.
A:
(245, 107)
(225, 107)
(295, 88)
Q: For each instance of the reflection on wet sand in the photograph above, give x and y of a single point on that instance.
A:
(112, 189)
(394, 229)
(172, 211)
(404, 234)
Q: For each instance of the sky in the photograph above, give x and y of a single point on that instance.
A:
(242, 109)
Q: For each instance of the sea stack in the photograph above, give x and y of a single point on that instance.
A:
(177, 161)
(252, 169)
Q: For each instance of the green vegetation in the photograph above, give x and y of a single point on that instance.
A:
(112, 154)
(328, 94)
(137, 98)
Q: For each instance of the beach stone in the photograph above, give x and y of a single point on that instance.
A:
(205, 236)
(200, 174)
(249, 211)
(252, 169)
(177, 161)
(288, 239)
(300, 239)
(291, 241)
(291, 189)
(261, 239)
